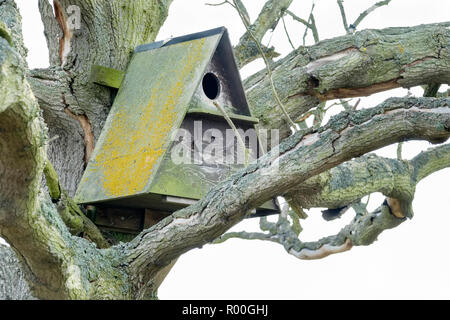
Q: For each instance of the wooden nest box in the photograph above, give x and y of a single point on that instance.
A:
(158, 152)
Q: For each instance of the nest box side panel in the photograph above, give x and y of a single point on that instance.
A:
(221, 83)
(149, 107)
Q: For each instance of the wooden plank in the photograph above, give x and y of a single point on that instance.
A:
(107, 76)
(216, 113)
(120, 219)
(152, 217)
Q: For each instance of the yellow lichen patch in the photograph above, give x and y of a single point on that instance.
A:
(138, 137)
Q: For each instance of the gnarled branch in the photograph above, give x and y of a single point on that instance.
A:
(397, 179)
(301, 157)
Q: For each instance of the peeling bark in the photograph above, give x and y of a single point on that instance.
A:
(345, 185)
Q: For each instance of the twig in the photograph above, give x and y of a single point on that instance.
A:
(235, 130)
(314, 28)
(269, 70)
(287, 33)
(399, 150)
(365, 13)
(297, 18)
(310, 24)
(357, 104)
(216, 4)
(361, 17)
(343, 15)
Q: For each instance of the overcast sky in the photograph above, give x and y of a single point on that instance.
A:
(411, 261)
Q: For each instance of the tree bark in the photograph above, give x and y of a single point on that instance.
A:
(75, 108)
(354, 65)
(13, 285)
(60, 265)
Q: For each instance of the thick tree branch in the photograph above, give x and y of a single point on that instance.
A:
(73, 217)
(56, 264)
(430, 161)
(302, 156)
(351, 181)
(368, 61)
(11, 26)
(60, 265)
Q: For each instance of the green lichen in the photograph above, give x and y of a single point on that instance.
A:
(5, 33)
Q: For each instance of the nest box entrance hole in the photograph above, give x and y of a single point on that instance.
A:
(211, 85)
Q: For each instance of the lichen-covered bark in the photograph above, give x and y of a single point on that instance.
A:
(345, 186)
(56, 264)
(354, 65)
(77, 222)
(351, 181)
(12, 282)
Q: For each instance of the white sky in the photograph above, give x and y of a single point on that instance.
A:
(411, 261)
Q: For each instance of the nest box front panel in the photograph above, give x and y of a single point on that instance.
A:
(207, 153)
(210, 151)
(149, 107)
(222, 84)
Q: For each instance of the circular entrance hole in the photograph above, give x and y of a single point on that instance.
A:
(211, 85)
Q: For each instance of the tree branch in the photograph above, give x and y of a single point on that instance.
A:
(343, 15)
(11, 27)
(73, 217)
(366, 12)
(75, 108)
(351, 181)
(246, 50)
(352, 27)
(389, 176)
(268, 68)
(310, 24)
(56, 264)
(369, 61)
(430, 161)
(302, 156)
